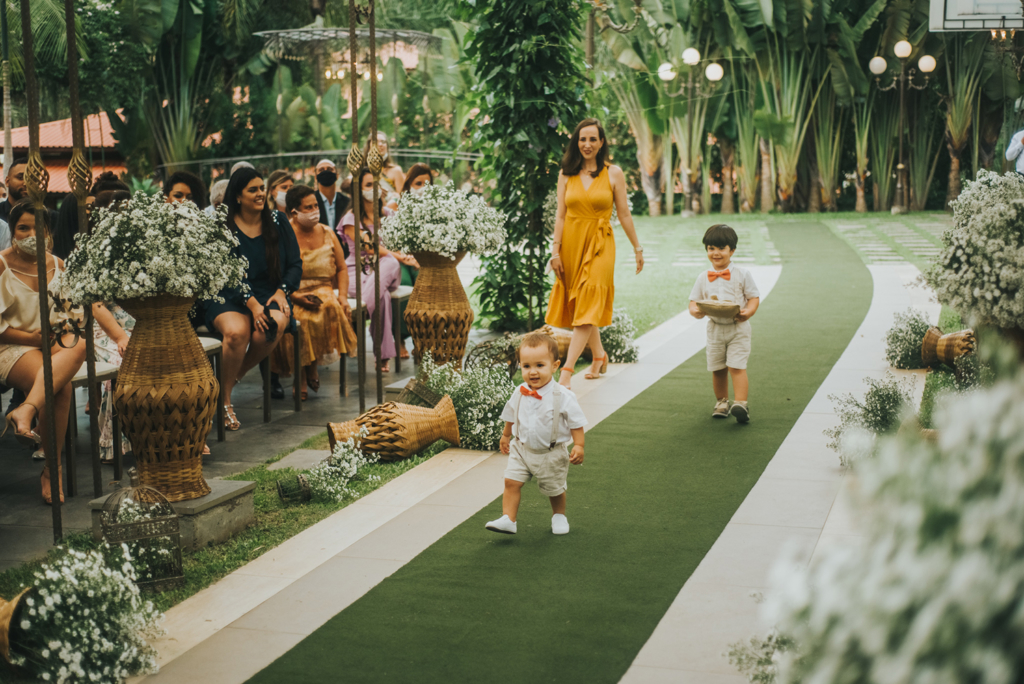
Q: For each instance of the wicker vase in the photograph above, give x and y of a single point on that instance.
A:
(7, 610)
(438, 314)
(166, 396)
(937, 347)
(396, 431)
(564, 338)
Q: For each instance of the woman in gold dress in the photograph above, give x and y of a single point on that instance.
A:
(325, 330)
(583, 253)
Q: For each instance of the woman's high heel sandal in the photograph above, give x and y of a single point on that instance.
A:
(44, 481)
(565, 369)
(30, 438)
(602, 367)
(230, 419)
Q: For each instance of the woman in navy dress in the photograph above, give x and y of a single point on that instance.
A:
(251, 319)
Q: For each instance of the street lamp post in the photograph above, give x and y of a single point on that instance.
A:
(878, 66)
(713, 73)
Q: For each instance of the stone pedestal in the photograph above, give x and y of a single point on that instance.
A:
(224, 512)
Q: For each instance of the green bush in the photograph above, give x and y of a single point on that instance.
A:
(880, 412)
(618, 339)
(903, 341)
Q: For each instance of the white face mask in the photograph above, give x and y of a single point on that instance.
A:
(281, 198)
(26, 245)
(308, 220)
(418, 191)
(368, 195)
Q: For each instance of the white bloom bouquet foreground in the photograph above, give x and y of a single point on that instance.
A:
(84, 621)
(147, 247)
(444, 220)
(980, 272)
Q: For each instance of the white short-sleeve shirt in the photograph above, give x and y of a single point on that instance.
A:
(740, 288)
(533, 424)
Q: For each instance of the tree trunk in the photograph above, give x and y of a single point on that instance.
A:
(814, 196)
(862, 202)
(953, 190)
(651, 184)
(728, 153)
(876, 195)
(767, 187)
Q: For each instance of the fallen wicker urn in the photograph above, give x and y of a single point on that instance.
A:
(936, 347)
(396, 431)
(564, 338)
(7, 611)
(166, 397)
(438, 315)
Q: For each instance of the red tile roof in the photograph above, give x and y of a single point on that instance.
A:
(57, 134)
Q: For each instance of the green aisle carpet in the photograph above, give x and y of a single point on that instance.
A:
(661, 481)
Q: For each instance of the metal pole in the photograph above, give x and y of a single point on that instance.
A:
(36, 181)
(376, 164)
(355, 164)
(80, 178)
(8, 145)
(901, 201)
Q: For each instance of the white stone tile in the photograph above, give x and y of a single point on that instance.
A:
(744, 555)
(405, 537)
(640, 674)
(788, 503)
(300, 459)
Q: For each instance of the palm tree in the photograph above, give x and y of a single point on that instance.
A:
(964, 68)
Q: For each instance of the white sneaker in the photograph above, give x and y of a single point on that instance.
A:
(559, 524)
(721, 409)
(503, 525)
(740, 412)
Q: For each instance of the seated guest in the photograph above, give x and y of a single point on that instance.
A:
(325, 331)
(251, 324)
(21, 361)
(390, 269)
(331, 202)
(278, 185)
(217, 191)
(182, 186)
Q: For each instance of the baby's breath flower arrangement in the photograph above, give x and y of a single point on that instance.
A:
(879, 413)
(478, 394)
(331, 479)
(933, 588)
(84, 621)
(618, 339)
(146, 247)
(445, 221)
(980, 270)
(903, 341)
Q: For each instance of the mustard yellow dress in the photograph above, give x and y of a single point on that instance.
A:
(586, 294)
(325, 334)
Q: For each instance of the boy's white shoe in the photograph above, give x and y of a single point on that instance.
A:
(503, 525)
(721, 409)
(740, 412)
(559, 524)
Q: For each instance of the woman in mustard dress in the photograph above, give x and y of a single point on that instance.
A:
(325, 332)
(583, 253)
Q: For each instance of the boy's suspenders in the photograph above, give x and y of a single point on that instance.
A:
(557, 399)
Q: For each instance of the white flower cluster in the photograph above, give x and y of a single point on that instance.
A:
(551, 212)
(934, 590)
(85, 621)
(146, 247)
(879, 413)
(980, 271)
(151, 558)
(478, 394)
(446, 221)
(331, 478)
(903, 341)
(618, 339)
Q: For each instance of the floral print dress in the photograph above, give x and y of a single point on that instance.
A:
(106, 351)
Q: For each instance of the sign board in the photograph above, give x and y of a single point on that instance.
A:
(975, 15)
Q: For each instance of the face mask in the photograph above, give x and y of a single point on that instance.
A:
(26, 245)
(327, 177)
(280, 198)
(308, 220)
(418, 191)
(368, 195)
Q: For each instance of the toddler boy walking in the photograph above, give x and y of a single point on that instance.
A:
(728, 346)
(540, 419)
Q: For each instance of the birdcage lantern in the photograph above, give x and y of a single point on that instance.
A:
(294, 490)
(142, 519)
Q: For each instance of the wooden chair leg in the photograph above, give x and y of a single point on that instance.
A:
(343, 371)
(71, 451)
(297, 368)
(218, 359)
(265, 372)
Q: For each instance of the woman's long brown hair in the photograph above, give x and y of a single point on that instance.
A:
(572, 161)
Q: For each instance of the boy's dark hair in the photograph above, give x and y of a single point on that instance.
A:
(536, 339)
(721, 235)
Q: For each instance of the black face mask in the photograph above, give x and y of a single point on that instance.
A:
(326, 178)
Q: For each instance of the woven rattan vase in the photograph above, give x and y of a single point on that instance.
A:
(396, 431)
(7, 610)
(937, 347)
(166, 396)
(438, 314)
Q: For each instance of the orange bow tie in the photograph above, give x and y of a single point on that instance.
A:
(526, 391)
(712, 275)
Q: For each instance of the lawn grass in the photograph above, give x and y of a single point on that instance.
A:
(275, 523)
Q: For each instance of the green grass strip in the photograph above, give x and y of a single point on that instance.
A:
(660, 482)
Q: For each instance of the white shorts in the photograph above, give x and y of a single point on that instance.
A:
(728, 345)
(549, 467)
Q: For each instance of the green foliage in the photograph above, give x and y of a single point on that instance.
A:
(530, 90)
(879, 412)
(759, 659)
(903, 341)
(478, 395)
(619, 339)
